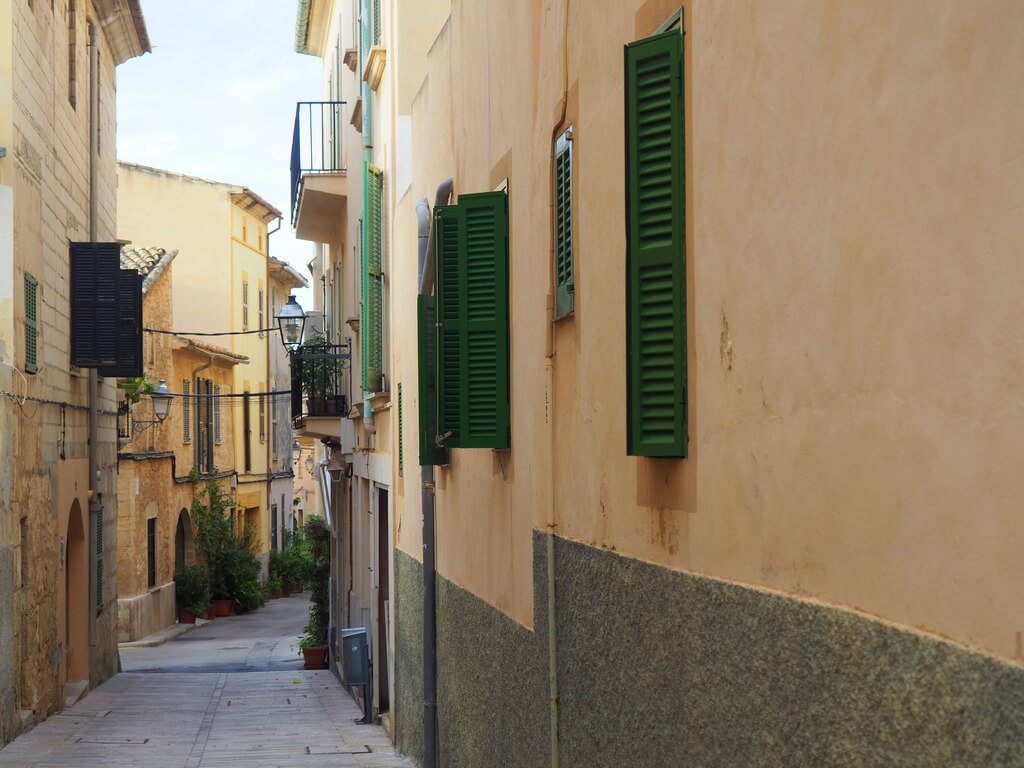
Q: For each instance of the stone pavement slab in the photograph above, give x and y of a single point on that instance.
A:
(208, 720)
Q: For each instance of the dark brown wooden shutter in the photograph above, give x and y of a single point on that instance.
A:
(129, 326)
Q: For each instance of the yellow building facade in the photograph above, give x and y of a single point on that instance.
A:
(221, 287)
(755, 291)
(58, 524)
(156, 459)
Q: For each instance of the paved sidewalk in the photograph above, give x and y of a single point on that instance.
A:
(207, 720)
(230, 693)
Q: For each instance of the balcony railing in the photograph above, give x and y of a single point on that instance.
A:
(319, 380)
(316, 143)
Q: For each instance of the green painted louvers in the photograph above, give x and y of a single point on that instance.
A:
(426, 325)
(471, 360)
(656, 248)
(371, 324)
(565, 285)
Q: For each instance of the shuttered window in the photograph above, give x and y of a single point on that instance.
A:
(565, 286)
(401, 438)
(259, 310)
(31, 324)
(245, 305)
(471, 262)
(376, 22)
(129, 326)
(186, 411)
(426, 323)
(95, 319)
(216, 414)
(263, 416)
(655, 239)
(371, 325)
(98, 517)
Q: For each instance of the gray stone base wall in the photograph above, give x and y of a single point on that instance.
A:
(658, 668)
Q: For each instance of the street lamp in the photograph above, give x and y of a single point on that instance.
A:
(309, 464)
(161, 400)
(291, 320)
(296, 451)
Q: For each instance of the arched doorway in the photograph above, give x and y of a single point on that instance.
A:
(76, 591)
(183, 554)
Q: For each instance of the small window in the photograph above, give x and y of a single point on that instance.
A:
(263, 416)
(565, 284)
(216, 414)
(151, 552)
(72, 54)
(31, 324)
(186, 411)
(245, 305)
(259, 309)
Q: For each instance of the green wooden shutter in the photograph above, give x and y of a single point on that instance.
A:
(655, 241)
(448, 292)
(401, 438)
(376, 22)
(31, 324)
(371, 325)
(426, 324)
(565, 286)
(484, 327)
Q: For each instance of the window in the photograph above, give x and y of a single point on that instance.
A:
(98, 517)
(263, 416)
(273, 305)
(371, 327)
(273, 428)
(151, 552)
(655, 248)
(565, 286)
(216, 414)
(31, 324)
(186, 412)
(72, 54)
(469, 356)
(259, 310)
(247, 431)
(273, 527)
(245, 305)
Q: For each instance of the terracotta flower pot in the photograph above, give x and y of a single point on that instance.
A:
(185, 616)
(222, 607)
(315, 657)
(207, 614)
(275, 595)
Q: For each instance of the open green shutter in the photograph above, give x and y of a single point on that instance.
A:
(371, 325)
(450, 308)
(565, 287)
(98, 517)
(655, 239)
(426, 325)
(31, 325)
(484, 323)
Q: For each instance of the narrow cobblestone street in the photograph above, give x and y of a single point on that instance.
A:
(230, 693)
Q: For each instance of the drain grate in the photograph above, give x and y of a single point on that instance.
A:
(338, 750)
(101, 740)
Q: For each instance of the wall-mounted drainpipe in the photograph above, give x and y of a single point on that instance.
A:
(426, 287)
(95, 497)
(367, 96)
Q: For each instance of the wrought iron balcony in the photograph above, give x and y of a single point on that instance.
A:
(316, 143)
(319, 380)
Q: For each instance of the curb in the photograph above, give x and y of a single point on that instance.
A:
(161, 637)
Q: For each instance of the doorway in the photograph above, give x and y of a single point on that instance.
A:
(76, 598)
(183, 541)
(383, 571)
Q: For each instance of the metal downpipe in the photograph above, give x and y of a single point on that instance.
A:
(95, 497)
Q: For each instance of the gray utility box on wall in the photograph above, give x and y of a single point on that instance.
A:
(355, 657)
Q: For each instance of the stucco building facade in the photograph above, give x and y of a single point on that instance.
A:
(155, 482)
(222, 286)
(58, 617)
(753, 501)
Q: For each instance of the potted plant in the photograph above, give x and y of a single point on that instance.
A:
(313, 643)
(192, 592)
(230, 561)
(321, 377)
(273, 588)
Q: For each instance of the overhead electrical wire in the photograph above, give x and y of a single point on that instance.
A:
(211, 333)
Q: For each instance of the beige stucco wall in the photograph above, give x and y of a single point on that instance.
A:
(46, 183)
(851, 304)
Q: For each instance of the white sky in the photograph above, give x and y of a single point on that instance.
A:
(216, 99)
